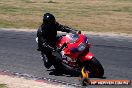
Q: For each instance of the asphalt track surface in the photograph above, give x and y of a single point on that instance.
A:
(18, 54)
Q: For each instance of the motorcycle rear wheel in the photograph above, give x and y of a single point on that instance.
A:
(94, 68)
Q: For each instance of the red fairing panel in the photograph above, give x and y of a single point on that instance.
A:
(87, 56)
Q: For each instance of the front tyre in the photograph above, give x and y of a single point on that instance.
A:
(94, 68)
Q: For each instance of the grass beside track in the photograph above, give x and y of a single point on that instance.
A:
(87, 15)
(3, 86)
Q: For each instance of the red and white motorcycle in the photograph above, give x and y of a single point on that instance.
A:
(75, 54)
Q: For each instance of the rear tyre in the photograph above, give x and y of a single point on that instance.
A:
(94, 68)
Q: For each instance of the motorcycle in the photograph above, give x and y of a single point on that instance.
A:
(75, 55)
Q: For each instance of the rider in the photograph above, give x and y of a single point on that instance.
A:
(47, 36)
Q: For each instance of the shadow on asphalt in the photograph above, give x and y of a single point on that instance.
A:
(63, 73)
(67, 73)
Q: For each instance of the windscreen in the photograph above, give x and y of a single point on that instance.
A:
(73, 37)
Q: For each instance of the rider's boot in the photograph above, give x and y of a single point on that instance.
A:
(47, 61)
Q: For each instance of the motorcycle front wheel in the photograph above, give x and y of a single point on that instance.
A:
(94, 68)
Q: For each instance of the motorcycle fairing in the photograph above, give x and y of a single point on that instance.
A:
(87, 56)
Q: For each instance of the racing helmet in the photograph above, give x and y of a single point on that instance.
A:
(48, 19)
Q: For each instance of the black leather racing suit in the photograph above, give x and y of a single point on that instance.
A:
(47, 37)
